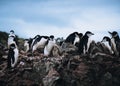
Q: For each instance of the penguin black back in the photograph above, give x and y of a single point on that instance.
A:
(83, 42)
(71, 38)
(11, 55)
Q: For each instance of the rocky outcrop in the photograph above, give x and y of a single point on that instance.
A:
(96, 68)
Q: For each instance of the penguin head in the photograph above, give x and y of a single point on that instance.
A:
(11, 31)
(80, 35)
(113, 34)
(88, 33)
(51, 37)
(105, 39)
(75, 33)
(37, 36)
(12, 34)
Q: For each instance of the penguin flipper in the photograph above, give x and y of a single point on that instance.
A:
(13, 59)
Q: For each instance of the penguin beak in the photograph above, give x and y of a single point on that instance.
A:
(92, 33)
(109, 32)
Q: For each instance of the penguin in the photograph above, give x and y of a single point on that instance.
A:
(115, 42)
(59, 41)
(12, 56)
(12, 33)
(85, 43)
(49, 46)
(36, 37)
(12, 39)
(27, 44)
(107, 41)
(73, 38)
(39, 42)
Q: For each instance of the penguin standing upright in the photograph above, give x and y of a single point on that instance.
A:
(115, 42)
(49, 45)
(84, 43)
(27, 44)
(12, 56)
(107, 41)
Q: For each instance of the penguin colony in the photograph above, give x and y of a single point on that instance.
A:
(80, 40)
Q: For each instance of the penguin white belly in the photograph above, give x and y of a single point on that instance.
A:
(77, 39)
(27, 46)
(109, 47)
(15, 57)
(32, 42)
(84, 50)
(40, 44)
(11, 41)
(113, 44)
(88, 44)
(48, 48)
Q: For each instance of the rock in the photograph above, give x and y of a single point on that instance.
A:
(52, 76)
(95, 68)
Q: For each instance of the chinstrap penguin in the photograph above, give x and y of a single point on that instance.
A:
(85, 43)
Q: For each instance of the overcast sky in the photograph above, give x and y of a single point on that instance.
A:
(60, 17)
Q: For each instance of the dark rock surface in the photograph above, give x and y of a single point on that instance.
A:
(96, 68)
